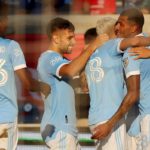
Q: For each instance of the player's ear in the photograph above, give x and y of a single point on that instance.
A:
(55, 38)
(135, 28)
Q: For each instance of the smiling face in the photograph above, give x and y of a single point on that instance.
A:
(129, 23)
(124, 28)
(65, 41)
(61, 35)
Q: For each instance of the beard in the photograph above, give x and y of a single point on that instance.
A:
(68, 50)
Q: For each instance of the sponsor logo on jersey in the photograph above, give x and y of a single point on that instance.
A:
(55, 60)
(125, 62)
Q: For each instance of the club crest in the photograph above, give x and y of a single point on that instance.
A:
(125, 62)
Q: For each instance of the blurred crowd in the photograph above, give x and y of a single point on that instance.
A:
(75, 6)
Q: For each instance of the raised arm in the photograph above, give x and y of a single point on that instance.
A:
(78, 63)
(134, 42)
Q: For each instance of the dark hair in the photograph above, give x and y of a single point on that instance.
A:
(90, 35)
(134, 15)
(59, 24)
(3, 9)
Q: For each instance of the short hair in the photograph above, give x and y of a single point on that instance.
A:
(90, 35)
(105, 25)
(58, 24)
(3, 10)
(134, 15)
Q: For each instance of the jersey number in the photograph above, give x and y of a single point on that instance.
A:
(97, 73)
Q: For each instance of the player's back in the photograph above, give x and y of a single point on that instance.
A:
(105, 80)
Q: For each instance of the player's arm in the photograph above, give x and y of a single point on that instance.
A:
(78, 63)
(83, 82)
(133, 87)
(134, 42)
(32, 84)
(132, 96)
(140, 52)
(19, 64)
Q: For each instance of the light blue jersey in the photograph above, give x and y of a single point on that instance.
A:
(60, 104)
(104, 73)
(11, 59)
(142, 67)
(141, 124)
(131, 67)
(144, 103)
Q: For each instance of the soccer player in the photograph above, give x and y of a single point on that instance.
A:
(11, 62)
(139, 129)
(105, 80)
(129, 24)
(89, 36)
(58, 126)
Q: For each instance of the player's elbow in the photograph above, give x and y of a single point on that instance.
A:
(134, 96)
(68, 72)
(33, 85)
(27, 86)
(70, 75)
(30, 87)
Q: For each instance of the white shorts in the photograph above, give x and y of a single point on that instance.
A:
(116, 140)
(63, 141)
(142, 141)
(8, 136)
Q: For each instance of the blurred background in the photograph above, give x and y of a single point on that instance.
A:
(27, 25)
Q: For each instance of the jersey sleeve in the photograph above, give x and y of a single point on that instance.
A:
(16, 56)
(55, 62)
(131, 66)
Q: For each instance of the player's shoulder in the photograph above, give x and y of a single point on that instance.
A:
(50, 54)
(5, 41)
(8, 42)
(110, 44)
(113, 41)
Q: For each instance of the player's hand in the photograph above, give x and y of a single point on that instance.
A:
(45, 89)
(101, 131)
(140, 52)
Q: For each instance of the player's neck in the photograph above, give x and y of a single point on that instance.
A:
(54, 48)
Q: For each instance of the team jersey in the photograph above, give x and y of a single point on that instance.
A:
(142, 67)
(144, 103)
(104, 73)
(11, 59)
(60, 104)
